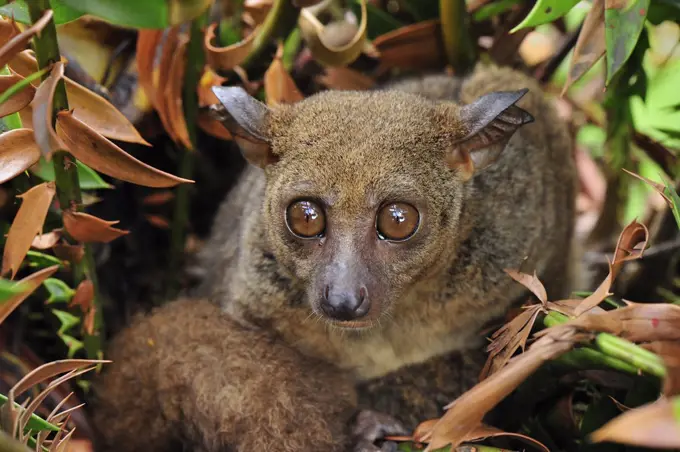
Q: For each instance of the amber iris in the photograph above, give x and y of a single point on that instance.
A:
(397, 221)
(305, 219)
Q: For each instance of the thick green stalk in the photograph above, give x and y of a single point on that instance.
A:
(614, 352)
(47, 52)
(461, 49)
(194, 69)
(12, 121)
(280, 21)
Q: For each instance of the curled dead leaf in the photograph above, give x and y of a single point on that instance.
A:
(597, 296)
(655, 425)
(18, 100)
(45, 135)
(329, 45)
(630, 246)
(158, 198)
(8, 30)
(46, 241)
(19, 42)
(27, 224)
(69, 253)
(89, 107)
(169, 47)
(530, 282)
(87, 228)
(30, 284)
(173, 94)
(102, 155)
(416, 46)
(226, 58)
(145, 55)
(279, 86)
(509, 338)
(590, 45)
(637, 322)
(18, 152)
(84, 296)
(158, 221)
(465, 414)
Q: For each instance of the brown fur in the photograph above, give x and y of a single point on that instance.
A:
(434, 292)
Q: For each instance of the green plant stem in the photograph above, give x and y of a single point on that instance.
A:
(194, 69)
(461, 50)
(46, 49)
(280, 21)
(613, 351)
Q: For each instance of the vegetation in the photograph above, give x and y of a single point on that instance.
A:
(104, 108)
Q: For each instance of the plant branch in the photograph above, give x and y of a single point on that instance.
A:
(461, 50)
(194, 68)
(47, 52)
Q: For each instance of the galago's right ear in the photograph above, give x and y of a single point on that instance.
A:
(246, 119)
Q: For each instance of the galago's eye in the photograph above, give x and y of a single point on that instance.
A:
(306, 219)
(397, 221)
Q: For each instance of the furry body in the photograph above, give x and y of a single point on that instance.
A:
(435, 294)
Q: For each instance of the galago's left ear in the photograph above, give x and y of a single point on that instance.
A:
(488, 124)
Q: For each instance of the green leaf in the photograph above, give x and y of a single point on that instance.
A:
(42, 260)
(545, 11)
(35, 423)
(20, 85)
(88, 178)
(675, 201)
(379, 22)
(66, 319)
(494, 9)
(62, 13)
(8, 289)
(675, 401)
(142, 13)
(59, 291)
(72, 343)
(623, 26)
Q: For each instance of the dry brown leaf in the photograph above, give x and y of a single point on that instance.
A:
(630, 246)
(479, 433)
(158, 221)
(69, 253)
(89, 107)
(257, 10)
(659, 188)
(20, 41)
(18, 152)
(590, 46)
(45, 135)
(30, 284)
(226, 58)
(87, 228)
(19, 100)
(27, 223)
(173, 94)
(415, 46)
(669, 351)
(655, 425)
(147, 43)
(637, 322)
(102, 155)
(344, 78)
(46, 241)
(597, 296)
(466, 413)
(509, 338)
(331, 45)
(158, 198)
(167, 52)
(279, 86)
(530, 282)
(8, 30)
